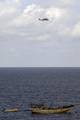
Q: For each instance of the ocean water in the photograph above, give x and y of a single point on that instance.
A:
(20, 87)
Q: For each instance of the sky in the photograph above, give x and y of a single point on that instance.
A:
(27, 42)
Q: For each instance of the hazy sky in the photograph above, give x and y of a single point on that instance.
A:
(27, 42)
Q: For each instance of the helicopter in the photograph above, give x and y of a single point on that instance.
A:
(43, 19)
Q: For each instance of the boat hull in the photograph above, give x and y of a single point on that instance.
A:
(49, 111)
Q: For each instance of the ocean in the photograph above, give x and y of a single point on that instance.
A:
(21, 87)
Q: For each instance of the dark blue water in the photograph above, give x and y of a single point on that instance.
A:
(19, 87)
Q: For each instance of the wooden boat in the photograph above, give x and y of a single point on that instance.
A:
(11, 110)
(46, 110)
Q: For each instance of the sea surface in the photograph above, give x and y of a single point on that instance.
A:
(21, 87)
